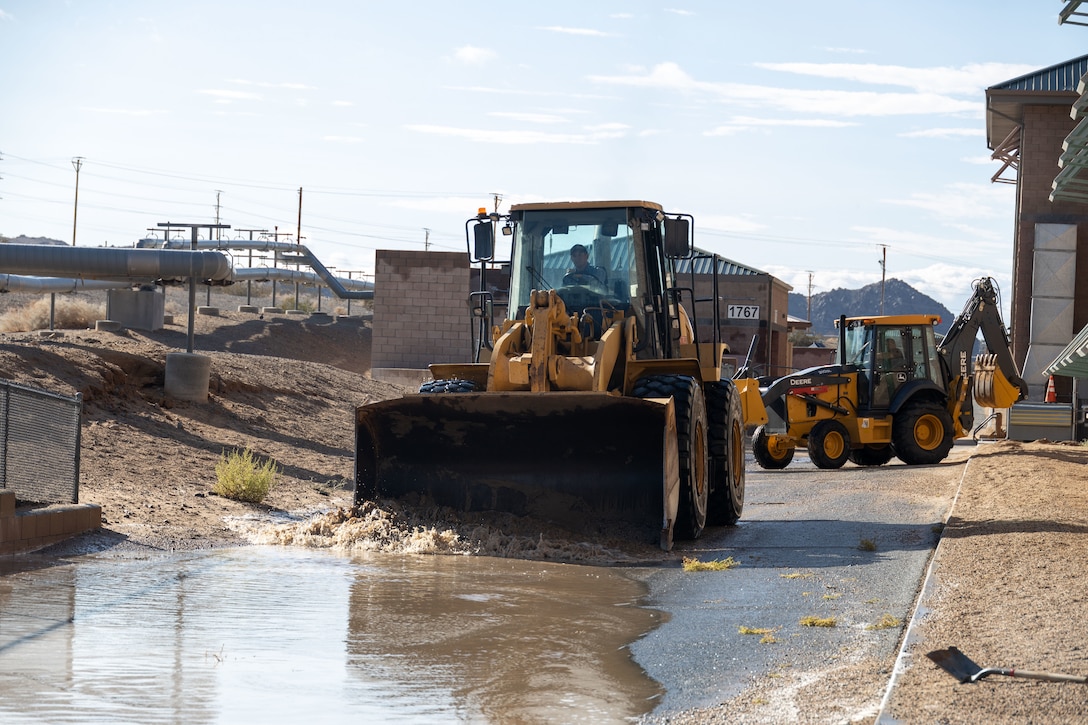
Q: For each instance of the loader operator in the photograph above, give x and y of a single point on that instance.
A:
(579, 257)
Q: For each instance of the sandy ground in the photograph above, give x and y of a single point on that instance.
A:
(1007, 588)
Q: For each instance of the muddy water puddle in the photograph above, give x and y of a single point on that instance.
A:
(283, 635)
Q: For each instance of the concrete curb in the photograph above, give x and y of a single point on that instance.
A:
(903, 659)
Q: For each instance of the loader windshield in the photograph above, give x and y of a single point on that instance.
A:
(587, 255)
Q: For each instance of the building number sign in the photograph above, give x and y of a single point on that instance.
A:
(744, 312)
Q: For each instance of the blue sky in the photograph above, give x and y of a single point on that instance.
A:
(805, 138)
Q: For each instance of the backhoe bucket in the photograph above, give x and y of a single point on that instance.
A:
(992, 388)
(577, 459)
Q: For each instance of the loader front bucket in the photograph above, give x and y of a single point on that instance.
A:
(576, 459)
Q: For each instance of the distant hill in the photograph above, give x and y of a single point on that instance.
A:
(899, 299)
(23, 239)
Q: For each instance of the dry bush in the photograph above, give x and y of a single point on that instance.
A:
(69, 314)
(242, 477)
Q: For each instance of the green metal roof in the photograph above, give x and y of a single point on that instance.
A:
(1073, 360)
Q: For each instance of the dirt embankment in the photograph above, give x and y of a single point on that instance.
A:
(283, 386)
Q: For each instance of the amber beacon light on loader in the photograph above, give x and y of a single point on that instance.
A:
(596, 399)
(895, 391)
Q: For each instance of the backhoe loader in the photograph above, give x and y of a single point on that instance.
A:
(894, 391)
(594, 399)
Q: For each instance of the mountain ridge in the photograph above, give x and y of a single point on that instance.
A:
(899, 299)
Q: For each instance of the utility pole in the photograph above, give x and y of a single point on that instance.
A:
(808, 314)
(217, 193)
(426, 239)
(298, 238)
(77, 163)
(883, 273)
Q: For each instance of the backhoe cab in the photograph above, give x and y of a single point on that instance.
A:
(895, 391)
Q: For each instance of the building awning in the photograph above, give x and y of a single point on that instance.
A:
(1073, 360)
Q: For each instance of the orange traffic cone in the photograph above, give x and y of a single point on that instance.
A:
(1051, 397)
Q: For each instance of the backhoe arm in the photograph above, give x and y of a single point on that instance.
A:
(998, 383)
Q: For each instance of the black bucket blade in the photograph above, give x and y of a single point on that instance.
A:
(955, 663)
(574, 458)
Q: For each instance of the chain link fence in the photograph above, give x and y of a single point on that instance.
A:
(39, 444)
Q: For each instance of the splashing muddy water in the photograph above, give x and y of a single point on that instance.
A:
(395, 528)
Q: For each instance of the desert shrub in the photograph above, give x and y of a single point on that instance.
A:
(69, 313)
(240, 476)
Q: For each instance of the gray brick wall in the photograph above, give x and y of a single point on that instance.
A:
(421, 311)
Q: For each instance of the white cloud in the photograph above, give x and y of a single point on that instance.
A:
(740, 124)
(269, 84)
(228, 96)
(529, 117)
(126, 111)
(962, 201)
(516, 137)
(678, 11)
(944, 133)
(576, 31)
(967, 80)
(342, 139)
(472, 55)
(6, 16)
(462, 205)
(728, 223)
(856, 51)
(670, 76)
(343, 103)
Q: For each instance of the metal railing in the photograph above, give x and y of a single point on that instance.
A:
(39, 444)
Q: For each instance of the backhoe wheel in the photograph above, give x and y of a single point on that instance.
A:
(828, 444)
(691, 439)
(872, 455)
(769, 455)
(726, 439)
(922, 433)
(448, 386)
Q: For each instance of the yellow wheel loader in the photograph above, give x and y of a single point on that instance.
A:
(594, 400)
(894, 391)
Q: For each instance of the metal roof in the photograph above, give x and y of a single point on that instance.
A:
(1054, 85)
(1073, 360)
(704, 265)
(621, 258)
(1058, 77)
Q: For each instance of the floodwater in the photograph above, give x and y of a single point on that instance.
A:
(286, 635)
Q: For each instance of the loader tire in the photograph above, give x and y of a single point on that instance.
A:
(691, 439)
(767, 457)
(448, 386)
(922, 433)
(872, 455)
(828, 444)
(726, 440)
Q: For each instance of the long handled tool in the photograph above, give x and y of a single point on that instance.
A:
(961, 667)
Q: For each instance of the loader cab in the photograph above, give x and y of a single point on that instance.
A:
(891, 353)
(616, 239)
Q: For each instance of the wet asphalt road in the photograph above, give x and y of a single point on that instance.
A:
(851, 544)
